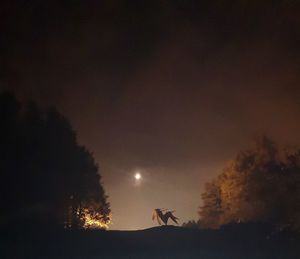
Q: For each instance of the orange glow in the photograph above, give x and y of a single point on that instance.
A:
(95, 221)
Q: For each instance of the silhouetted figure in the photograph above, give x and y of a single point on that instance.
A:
(159, 215)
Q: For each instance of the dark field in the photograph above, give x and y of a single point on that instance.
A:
(160, 242)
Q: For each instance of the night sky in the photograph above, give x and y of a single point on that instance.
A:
(170, 89)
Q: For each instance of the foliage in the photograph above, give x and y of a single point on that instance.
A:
(46, 176)
(262, 184)
(192, 224)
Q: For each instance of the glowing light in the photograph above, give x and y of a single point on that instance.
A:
(137, 176)
(95, 221)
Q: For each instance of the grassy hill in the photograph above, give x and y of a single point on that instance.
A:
(160, 242)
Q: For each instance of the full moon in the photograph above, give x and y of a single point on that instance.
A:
(137, 176)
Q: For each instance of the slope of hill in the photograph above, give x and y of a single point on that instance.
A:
(158, 242)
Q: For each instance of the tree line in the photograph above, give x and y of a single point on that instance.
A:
(262, 184)
(47, 178)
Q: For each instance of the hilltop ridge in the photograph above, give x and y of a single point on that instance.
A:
(156, 242)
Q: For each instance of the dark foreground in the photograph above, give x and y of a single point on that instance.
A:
(160, 242)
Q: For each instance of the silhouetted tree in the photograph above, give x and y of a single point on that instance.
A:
(46, 177)
(212, 207)
(262, 184)
(192, 224)
(9, 153)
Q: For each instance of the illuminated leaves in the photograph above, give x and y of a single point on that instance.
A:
(261, 184)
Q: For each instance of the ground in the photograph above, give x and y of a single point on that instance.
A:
(158, 242)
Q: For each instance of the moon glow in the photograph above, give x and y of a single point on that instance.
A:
(137, 176)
